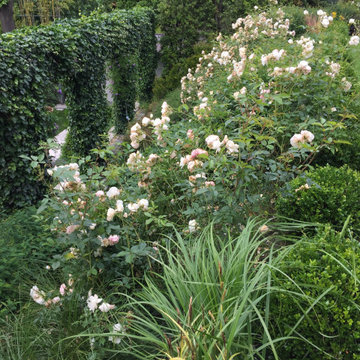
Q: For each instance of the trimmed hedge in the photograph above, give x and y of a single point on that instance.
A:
(72, 52)
(326, 269)
(324, 195)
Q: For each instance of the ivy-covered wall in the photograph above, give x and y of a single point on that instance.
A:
(73, 52)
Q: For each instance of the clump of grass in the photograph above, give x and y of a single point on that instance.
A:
(211, 302)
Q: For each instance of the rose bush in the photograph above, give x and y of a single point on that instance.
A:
(255, 114)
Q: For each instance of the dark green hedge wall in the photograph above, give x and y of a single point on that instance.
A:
(74, 53)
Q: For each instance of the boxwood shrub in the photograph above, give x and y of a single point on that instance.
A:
(326, 268)
(326, 195)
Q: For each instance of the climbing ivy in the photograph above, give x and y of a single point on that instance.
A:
(74, 53)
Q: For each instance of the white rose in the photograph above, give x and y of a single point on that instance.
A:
(354, 40)
(113, 191)
(145, 121)
(92, 302)
(296, 140)
(105, 307)
(117, 328)
(133, 207)
(110, 214)
(144, 203)
(135, 127)
(192, 226)
(307, 135)
(37, 295)
(73, 166)
(119, 206)
(231, 147)
(213, 142)
(325, 22)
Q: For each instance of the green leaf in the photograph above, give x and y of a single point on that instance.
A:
(55, 265)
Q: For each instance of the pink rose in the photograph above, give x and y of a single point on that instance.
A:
(62, 289)
(70, 229)
(190, 134)
(113, 239)
(195, 153)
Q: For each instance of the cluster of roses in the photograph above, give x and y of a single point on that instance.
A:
(192, 161)
(324, 19)
(132, 207)
(93, 301)
(41, 298)
(70, 177)
(249, 28)
(225, 54)
(298, 139)
(137, 163)
(307, 45)
(137, 134)
(202, 111)
(213, 142)
(303, 68)
(275, 55)
(334, 69)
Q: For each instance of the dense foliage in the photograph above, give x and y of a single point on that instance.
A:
(187, 22)
(25, 247)
(213, 305)
(327, 313)
(139, 271)
(223, 162)
(326, 195)
(72, 52)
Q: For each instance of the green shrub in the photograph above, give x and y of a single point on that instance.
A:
(326, 268)
(326, 195)
(172, 98)
(345, 9)
(297, 19)
(171, 78)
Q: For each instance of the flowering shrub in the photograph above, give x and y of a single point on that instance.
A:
(254, 116)
(255, 113)
(269, 83)
(326, 195)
